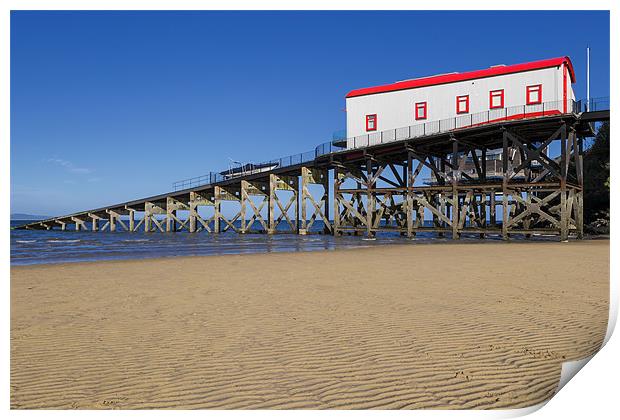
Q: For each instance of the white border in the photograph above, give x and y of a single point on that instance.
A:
(593, 394)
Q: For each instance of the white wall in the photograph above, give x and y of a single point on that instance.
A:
(397, 109)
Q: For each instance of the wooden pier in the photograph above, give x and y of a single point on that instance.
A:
(379, 188)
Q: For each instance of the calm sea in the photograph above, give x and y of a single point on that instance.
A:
(44, 247)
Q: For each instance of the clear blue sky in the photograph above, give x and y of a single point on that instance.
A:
(112, 106)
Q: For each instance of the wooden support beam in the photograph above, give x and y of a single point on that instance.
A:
(94, 221)
(115, 217)
(229, 193)
(244, 198)
(483, 165)
(79, 223)
(150, 211)
(132, 219)
(320, 208)
(375, 190)
(409, 198)
(249, 189)
(483, 211)
(579, 213)
(147, 219)
(217, 212)
(112, 221)
(283, 183)
(303, 228)
(579, 194)
(370, 197)
(137, 227)
(172, 221)
(492, 209)
(505, 177)
(456, 175)
(194, 201)
(170, 210)
(564, 161)
(338, 179)
(273, 198)
(531, 154)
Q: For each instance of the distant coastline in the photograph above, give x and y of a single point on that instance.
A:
(26, 216)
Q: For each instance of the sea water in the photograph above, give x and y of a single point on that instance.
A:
(55, 246)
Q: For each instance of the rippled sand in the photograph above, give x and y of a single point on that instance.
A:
(411, 326)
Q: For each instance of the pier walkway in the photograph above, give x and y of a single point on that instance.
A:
(374, 183)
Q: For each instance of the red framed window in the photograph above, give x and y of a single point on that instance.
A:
(533, 94)
(420, 110)
(371, 122)
(496, 99)
(462, 104)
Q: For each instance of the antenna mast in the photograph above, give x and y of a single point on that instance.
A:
(588, 79)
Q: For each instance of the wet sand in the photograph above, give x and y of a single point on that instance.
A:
(407, 326)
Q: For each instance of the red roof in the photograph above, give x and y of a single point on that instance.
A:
(457, 77)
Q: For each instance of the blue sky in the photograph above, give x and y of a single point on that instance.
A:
(112, 106)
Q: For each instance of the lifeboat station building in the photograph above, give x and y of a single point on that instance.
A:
(526, 90)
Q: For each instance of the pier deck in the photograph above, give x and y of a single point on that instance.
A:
(377, 186)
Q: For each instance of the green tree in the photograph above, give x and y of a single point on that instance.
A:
(596, 176)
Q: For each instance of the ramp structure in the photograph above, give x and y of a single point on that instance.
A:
(376, 184)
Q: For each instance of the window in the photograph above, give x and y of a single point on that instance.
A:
(462, 104)
(496, 99)
(420, 111)
(533, 94)
(371, 122)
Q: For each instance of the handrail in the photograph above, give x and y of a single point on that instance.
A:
(542, 109)
(596, 104)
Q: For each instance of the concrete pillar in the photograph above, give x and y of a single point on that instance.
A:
(94, 222)
(79, 224)
(112, 218)
(148, 213)
(132, 220)
(193, 211)
(170, 208)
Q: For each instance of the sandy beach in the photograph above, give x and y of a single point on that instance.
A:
(408, 326)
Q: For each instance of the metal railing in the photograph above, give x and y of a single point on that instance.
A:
(463, 121)
(210, 178)
(595, 104)
(450, 124)
(404, 133)
(242, 169)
